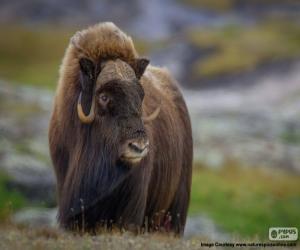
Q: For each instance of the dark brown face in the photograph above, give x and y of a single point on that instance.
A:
(111, 99)
(118, 104)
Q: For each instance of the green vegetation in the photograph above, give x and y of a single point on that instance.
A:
(238, 48)
(291, 137)
(226, 5)
(32, 56)
(17, 237)
(246, 201)
(10, 200)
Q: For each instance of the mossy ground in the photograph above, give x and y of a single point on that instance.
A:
(32, 56)
(12, 237)
(239, 49)
(10, 199)
(246, 201)
(227, 5)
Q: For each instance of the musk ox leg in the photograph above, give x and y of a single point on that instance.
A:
(178, 209)
(179, 206)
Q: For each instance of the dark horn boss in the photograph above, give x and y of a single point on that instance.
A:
(120, 138)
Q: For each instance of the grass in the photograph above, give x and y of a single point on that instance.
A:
(246, 201)
(12, 237)
(238, 48)
(32, 56)
(10, 200)
(16, 237)
(291, 137)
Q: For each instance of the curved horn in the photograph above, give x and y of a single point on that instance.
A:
(91, 116)
(152, 116)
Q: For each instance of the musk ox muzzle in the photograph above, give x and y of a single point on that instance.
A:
(135, 150)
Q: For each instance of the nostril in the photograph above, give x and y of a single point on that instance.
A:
(135, 147)
(138, 147)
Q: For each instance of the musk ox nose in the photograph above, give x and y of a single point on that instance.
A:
(135, 150)
(138, 146)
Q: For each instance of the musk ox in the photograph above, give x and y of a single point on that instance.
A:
(120, 138)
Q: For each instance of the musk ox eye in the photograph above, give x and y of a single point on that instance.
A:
(103, 99)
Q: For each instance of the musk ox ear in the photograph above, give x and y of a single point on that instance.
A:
(140, 66)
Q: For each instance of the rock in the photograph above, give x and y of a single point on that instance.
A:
(176, 57)
(32, 178)
(36, 217)
(202, 225)
(24, 153)
(256, 125)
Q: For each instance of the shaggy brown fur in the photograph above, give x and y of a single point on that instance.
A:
(94, 186)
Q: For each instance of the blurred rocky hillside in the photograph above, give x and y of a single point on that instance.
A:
(201, 42)
(151, 19)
